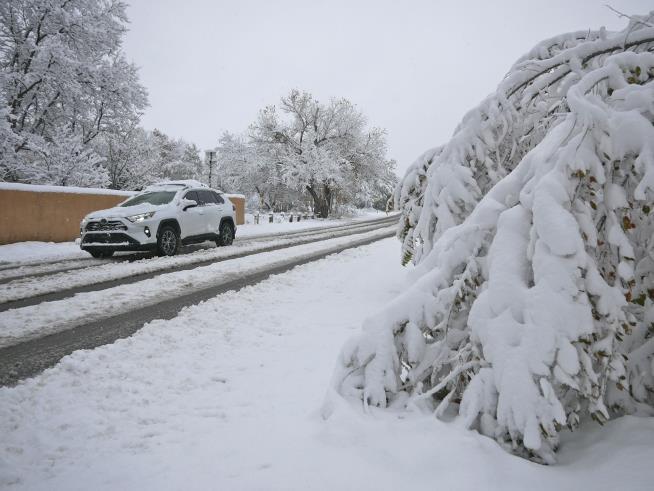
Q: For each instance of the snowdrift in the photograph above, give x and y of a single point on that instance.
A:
(531, 231)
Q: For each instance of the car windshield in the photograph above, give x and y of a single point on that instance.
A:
(152, 197)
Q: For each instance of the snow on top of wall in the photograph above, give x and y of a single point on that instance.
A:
(38, 188)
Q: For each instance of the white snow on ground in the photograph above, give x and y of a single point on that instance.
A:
(110, 270)
(228, 396)
(17, 325)
(39, 251)
(265, 227)
(52, 267)
(251, 230)
(21, 252)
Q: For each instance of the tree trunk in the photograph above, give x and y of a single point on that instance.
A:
(262, 199)
(322, 201)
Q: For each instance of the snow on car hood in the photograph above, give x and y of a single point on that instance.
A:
(123, 211)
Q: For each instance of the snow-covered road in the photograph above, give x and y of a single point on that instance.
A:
(228, 395)
(18, 325)
(29, 254)
(39, 280)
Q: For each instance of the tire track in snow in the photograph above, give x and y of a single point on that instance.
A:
(30, 357)
(24, 293)
(32, 269)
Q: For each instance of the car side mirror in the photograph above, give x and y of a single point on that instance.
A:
(188, 203)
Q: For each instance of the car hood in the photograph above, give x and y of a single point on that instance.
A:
(122, 211)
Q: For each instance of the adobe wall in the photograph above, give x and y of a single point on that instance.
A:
(239, 203)
(46, 214)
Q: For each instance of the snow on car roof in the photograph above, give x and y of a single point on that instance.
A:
(174, 185)
(189, 183)
(178, 185)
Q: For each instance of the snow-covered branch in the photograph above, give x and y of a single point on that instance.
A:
(531, 231)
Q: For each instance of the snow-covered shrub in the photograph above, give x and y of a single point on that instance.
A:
(532, 232)
(408, 198)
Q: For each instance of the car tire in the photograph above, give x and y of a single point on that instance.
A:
(225, 234)
(101, 254)
(168, 241)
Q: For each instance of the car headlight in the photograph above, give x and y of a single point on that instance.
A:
(140, 217)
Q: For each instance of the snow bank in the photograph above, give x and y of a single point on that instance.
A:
(226, 396)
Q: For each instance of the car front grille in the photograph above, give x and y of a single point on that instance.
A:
(105, 225)
(99, 238)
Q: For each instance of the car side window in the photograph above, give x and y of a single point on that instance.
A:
(206, 197)
(192, 195)
(219, 198)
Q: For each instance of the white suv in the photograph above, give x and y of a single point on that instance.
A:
(161, 218)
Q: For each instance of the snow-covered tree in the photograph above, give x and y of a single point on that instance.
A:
(64, 79)
(66, 161)
(408, 198)
(191, 160)
(9, 164)
(378, 192)
(532, 235)
(322, 149)
(176, 158)
(130, 158)
(242, 169)
(137, 158)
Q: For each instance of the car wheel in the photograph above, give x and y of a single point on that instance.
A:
(168, 241)
(225, 234)
(101, 254)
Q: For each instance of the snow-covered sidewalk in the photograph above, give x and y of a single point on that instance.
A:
(228, 396)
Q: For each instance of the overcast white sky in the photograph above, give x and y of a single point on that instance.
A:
(413, 67)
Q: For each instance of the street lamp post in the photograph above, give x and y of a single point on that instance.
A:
(210, 157)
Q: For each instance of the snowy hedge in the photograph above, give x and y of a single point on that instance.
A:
(531, 232)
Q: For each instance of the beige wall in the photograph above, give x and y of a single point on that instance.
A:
(239, 203)
(46, 216)
(55, 217)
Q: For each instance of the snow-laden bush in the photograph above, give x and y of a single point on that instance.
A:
(409, 198)
(532, 234)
